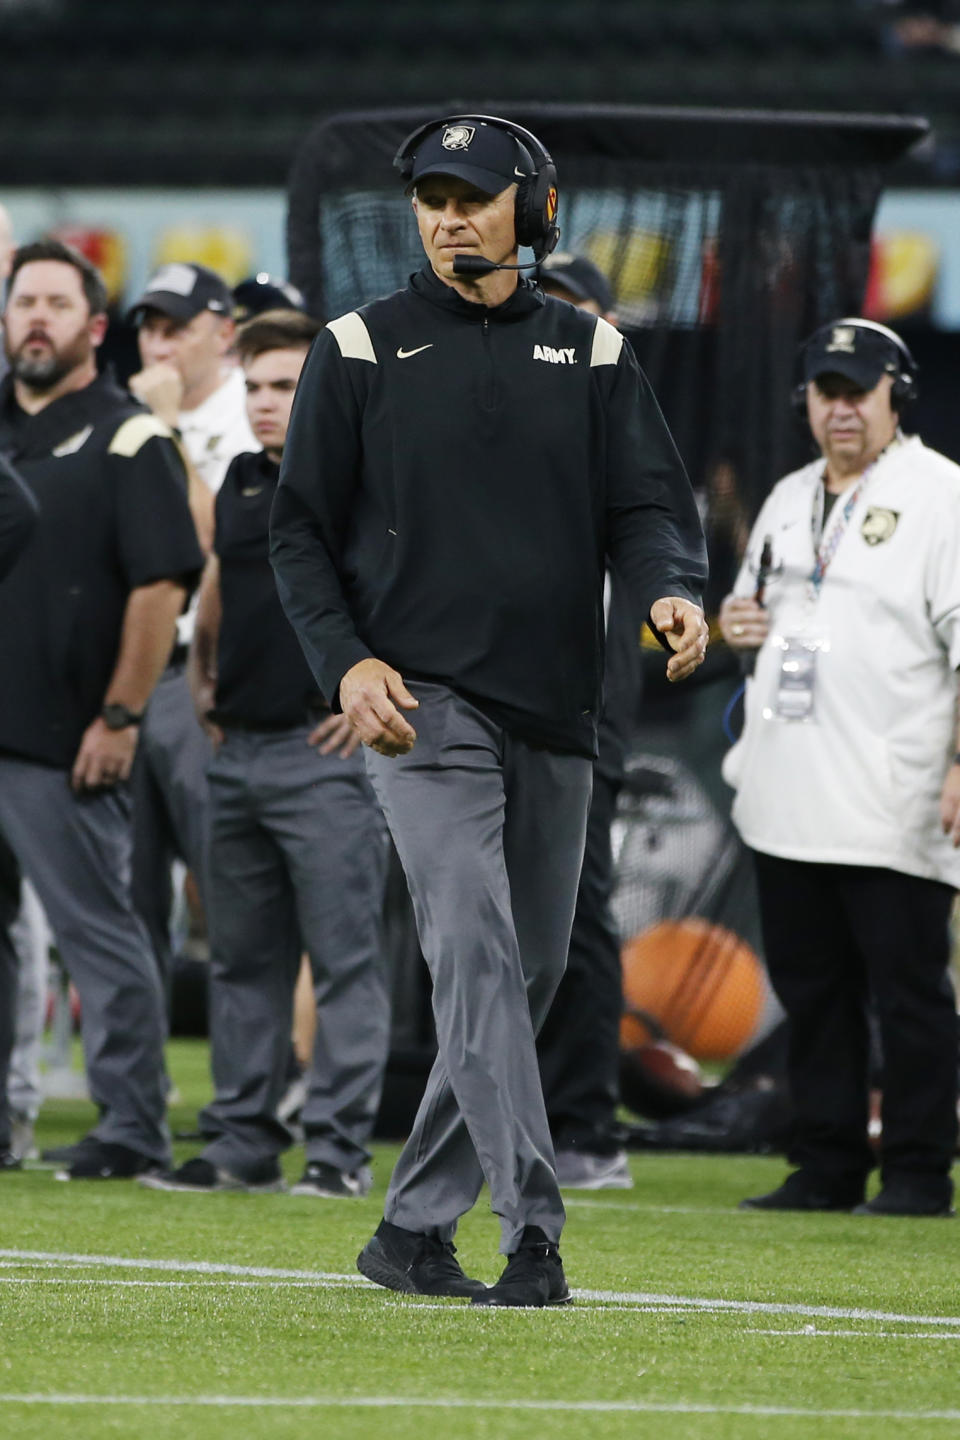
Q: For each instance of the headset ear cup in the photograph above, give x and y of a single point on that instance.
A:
(902, 391)
(798, 401)
(536, 208)
(524, 214)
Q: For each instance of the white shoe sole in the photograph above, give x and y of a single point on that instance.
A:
(222, 1187)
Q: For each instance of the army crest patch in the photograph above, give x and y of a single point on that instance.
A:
(458, 137)
(878, 524)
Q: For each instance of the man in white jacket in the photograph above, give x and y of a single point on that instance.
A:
(848, 776)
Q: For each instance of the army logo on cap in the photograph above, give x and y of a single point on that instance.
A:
(843, 337)
(458, 137)
(879, 524)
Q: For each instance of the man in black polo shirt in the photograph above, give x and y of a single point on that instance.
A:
(297, 848)
(87, 619)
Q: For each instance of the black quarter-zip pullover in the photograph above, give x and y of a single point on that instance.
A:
(456, 479)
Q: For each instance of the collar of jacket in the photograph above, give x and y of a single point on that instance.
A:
(525, 299)
(36, 435)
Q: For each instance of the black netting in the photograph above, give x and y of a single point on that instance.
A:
(727, 237)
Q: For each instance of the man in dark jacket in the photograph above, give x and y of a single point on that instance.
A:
(297, 843)
(87, 619)
(463, 459)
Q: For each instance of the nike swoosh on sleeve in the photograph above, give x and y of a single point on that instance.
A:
(405, 354)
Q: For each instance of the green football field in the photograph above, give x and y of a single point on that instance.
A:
(126, 1312)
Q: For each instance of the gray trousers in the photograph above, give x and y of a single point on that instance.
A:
(490, 832)
(31, 940)
(9, 972)
(170, 818)
(76, 853)
(298, 855)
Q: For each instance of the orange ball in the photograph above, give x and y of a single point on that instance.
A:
(700, 984)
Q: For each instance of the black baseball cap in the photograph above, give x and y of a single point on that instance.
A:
(482, 154)
(861, 350)
(265, 292)
(578, 275)
(182, 290)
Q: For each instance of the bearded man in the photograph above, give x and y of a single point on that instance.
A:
(87, 621)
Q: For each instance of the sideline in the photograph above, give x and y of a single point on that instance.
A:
(394, 1402)
(621, 1298)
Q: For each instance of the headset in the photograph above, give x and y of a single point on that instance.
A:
(535, 206)
(904, 387)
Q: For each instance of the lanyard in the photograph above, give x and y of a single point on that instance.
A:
(824, 552)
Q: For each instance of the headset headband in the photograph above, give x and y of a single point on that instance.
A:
(538, 154)
(883, 330)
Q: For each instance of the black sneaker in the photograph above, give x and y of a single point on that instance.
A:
(903, 1197)
(103, 1161)
(803, 1191)
(333, 1184)
(534, 1275)
(60, 1155)
(203, 1177)
(9, 1161)
(415, 1264)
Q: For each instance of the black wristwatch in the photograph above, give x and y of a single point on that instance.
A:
(118, 717)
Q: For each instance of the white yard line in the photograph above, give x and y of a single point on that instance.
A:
(583, 1202)
(196, 1267)
(211, 1283)
(394, 1402)
(810, 1332)
(628, 1299)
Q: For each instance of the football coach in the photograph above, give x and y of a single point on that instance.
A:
(464, 458)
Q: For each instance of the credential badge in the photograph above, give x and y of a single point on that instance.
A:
(843, 337)
(879, 524)
(458, 137)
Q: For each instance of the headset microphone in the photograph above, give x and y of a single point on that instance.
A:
(479, 265)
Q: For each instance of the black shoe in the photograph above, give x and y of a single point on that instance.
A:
(9, 1161)
(900, 1197)
(66, 1154)
(803, 1191)
(534, 1275)
(415, 1264)
(103, 1161)
(332, 1184)
(202, 1176)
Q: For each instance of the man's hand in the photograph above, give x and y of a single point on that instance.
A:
(950, 805)
(335, 735)
(685, 630)
(369, 695)
(161, 387)
(105, 756)
(743, 622)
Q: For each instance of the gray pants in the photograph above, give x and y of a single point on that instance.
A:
(9, 968)
(76, 852)
(31, 939)
(170, 819)
(490, 832)
(297, 860)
